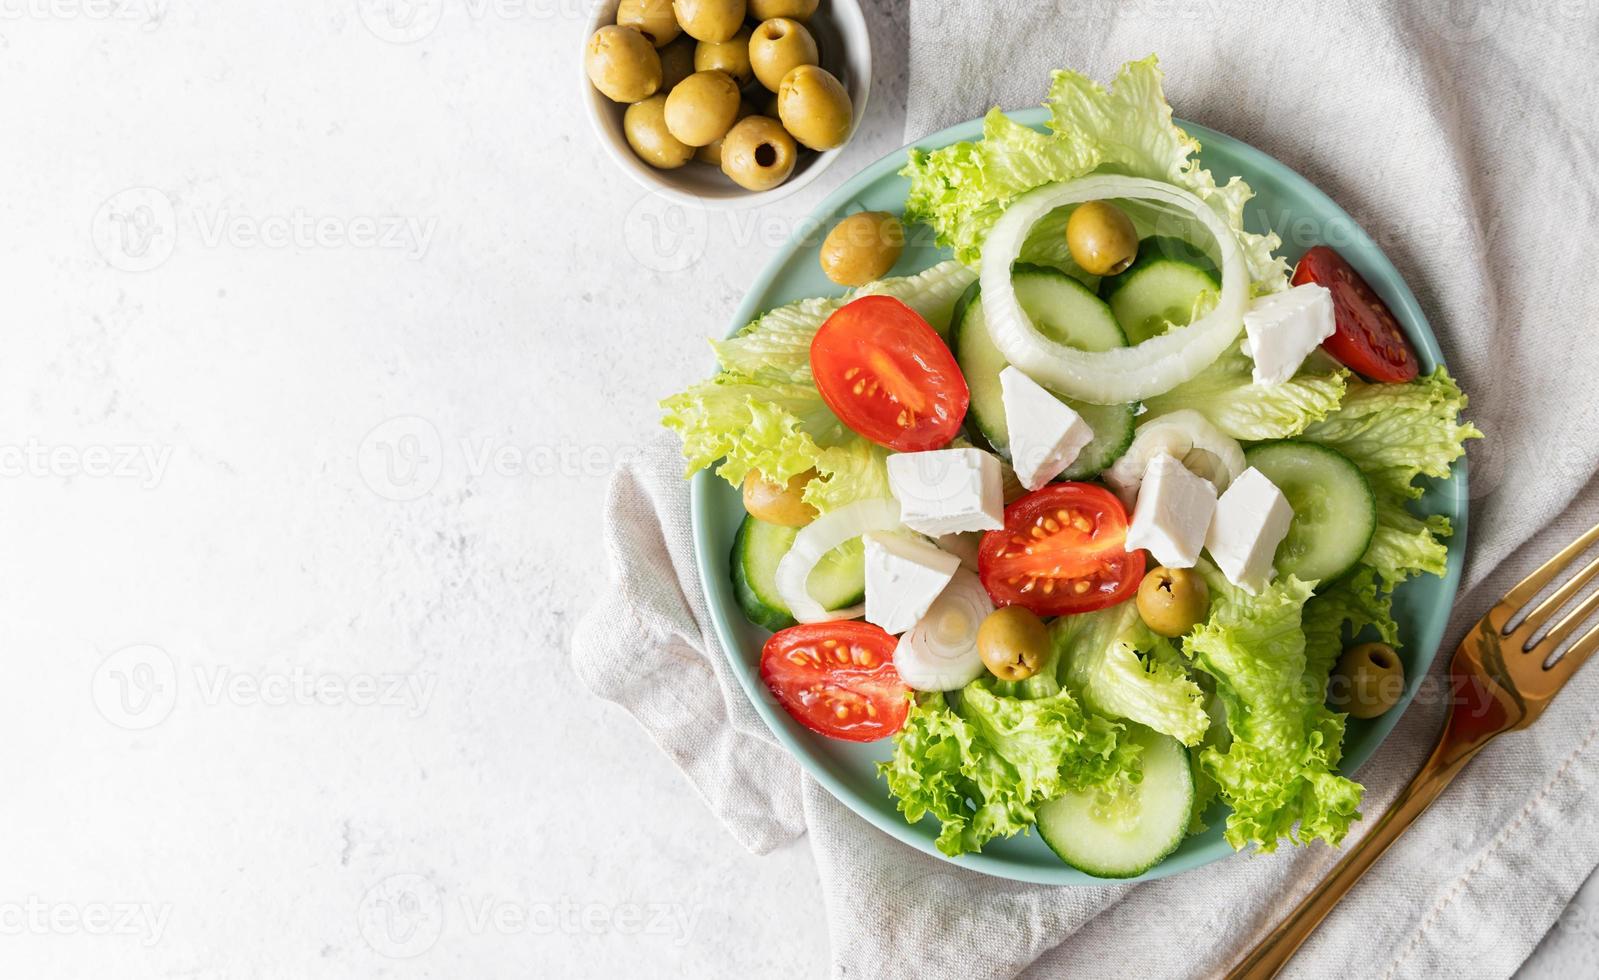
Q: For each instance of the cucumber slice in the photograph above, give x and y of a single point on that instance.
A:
(838, 580)
(1160, 247)
(1335, 514)
(1070, 313)
(1155, 292)
(1125, 834)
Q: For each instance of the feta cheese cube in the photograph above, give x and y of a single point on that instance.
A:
(1283, 328)
(1173, 513)
(903, 577)
(1251, 520)
(1045, 434)
(948, 490)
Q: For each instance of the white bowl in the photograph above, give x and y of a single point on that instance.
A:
(846, 51)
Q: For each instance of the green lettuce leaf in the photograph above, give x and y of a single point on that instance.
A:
(1120, 668)
(1336, 614)
(1276, 772)
(1397, 433)
(1226, 394)
(763, 412)
(962, 189)
(983, 770)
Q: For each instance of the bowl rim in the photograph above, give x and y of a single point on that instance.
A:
(851, 21)
(703, 503)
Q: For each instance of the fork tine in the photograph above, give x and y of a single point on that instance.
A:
(1575, 655)
(1558, 598)
(1568, 624)
(1530, 586)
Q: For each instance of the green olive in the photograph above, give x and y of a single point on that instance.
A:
(731, 56)
(702, 108)
(862, 248)
(652, 18)
(815, 107)
(1013, 643)
(709, 20)
(1173, 601)
(779, 504)
(1369, 679)
(1101, 238)
(711, 152)
(677, 63)
(778, 47)
(622, 64)
(759, 154)
(793, 9)
(644, 123)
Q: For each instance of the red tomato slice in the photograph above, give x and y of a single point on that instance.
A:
(1063, 551)
(888, 376)
(837, 679)
(1368, 339)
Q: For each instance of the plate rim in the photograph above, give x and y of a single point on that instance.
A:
(1457, 499)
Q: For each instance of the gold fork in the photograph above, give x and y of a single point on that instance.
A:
(1500, 685)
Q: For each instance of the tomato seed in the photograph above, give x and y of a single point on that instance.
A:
(871, 710)
(830, 644)
(797, 659)
(1049, 586)
(860, 386)
(851, 373)
(1081, 523)
(1080, 587)
(1050, 524)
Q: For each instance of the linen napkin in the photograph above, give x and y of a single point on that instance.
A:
(1462, 140)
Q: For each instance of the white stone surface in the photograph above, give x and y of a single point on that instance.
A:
(319, 347)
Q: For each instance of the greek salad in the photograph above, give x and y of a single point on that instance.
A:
(1098, 520)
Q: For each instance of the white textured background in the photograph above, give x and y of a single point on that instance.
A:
(322, 335)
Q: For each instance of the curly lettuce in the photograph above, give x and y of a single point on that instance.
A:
(1120, 668)
(962, 189)
(983, 769)
(762, 410)
(1277, 769)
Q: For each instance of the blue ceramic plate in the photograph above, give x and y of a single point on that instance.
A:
(1284, 202)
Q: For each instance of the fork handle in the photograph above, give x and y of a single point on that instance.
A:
(1273, 952)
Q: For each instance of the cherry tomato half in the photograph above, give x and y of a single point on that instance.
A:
(1063, 551)
(837, 679)
(888, 376)
(1368, 339)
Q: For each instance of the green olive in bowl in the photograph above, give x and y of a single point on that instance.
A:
(815, 108)
(709, 20)
(731, 56)
(622, 64)
(677, 62)
(652, 18)
(777, 47)
(759, 154)
(702, 108)
(644, 125)
(711, 152)
(800, 10)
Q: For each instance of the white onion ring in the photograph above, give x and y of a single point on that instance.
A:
(1125, 374)
(940, 653)
(818, 538)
